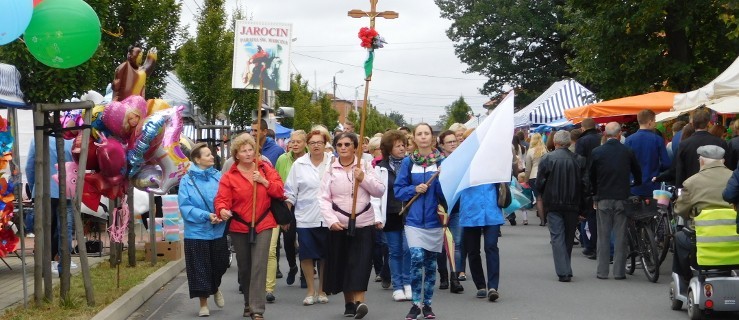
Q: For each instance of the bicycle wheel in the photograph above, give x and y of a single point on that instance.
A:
(663, 246)
(648, 252)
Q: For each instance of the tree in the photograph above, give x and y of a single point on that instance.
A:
(625, 48)
(242, 102)
(299, 97)
(397, 118)
(205, 64)
(458, 111)
(151, 22)
(512, 43)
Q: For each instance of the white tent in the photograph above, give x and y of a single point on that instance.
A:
(550, 105)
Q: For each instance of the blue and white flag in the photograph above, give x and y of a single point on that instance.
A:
(484, 157)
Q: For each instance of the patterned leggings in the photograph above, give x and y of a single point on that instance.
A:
(423, 262)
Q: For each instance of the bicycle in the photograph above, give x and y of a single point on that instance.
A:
(642, 243)
(666, 227)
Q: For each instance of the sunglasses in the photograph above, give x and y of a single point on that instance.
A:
(344, 145)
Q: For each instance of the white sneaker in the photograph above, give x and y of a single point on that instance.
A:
(399, 295)
(408, 292)
(72, 265)
(30, 235)
(55, 267)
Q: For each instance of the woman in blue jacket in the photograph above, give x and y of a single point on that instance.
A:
(423, 229)
(206, 248)
(481, 217)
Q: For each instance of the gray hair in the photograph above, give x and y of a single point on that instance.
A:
(706, 161)
(562, 138)
(613, 129)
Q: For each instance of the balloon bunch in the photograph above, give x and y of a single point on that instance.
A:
(130, 143)
(58, 33)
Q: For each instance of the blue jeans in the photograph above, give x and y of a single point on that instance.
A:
(56, 240)
(492, 257)
(28, 219)
(459, 254)
(399, 260)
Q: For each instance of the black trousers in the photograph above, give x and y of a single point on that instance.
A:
(685, 252)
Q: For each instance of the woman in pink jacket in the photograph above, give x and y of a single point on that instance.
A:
(349, 258)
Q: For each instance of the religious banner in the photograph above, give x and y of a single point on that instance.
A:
(262, 53)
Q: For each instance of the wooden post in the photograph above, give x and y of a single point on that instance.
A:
(39, 272)
(257, 153)
(48, 294)
(62, 218)
(76, 207)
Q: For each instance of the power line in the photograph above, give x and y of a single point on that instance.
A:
(421, 95)
(386, 49)
(390, 71)
(354, 45)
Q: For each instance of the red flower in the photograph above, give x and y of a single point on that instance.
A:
(367, 36)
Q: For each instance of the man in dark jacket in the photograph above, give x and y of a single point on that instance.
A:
(562, 181)
(687, 153)
(609, 169)
(589, 140)
(732, 154)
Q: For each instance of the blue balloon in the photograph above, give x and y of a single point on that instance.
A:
(14, 18)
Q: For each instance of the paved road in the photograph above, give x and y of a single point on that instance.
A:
(529, 290)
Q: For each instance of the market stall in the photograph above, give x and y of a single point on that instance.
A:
(550, 105)
(621, 108)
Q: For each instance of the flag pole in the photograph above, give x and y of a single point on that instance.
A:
(353, 219)
(257, 157)
(410, 202)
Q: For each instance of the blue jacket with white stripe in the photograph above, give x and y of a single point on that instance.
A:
(422, 213)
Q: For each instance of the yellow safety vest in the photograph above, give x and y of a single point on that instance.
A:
(716, 239)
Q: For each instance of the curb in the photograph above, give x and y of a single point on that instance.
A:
(129, 302)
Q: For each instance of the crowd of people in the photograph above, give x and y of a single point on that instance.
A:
(353, 214)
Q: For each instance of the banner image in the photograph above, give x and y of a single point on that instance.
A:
(262, 53)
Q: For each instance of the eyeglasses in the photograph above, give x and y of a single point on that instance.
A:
(344, 145)
(451, 142)
(316, 143)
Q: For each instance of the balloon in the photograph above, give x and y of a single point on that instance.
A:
(92, 159)
(154, 105)
(63, 33)
(14, 18)
(150, 137)
(36, 2)
(110, 153)
(186, 144)
(71, 172)
(122, 118)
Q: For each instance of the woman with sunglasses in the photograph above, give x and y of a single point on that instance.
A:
(349, 258)
(422, 226)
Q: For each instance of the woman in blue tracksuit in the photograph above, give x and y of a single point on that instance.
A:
(423, 229)
(206, 247)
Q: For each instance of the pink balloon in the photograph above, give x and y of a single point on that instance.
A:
(123, 118)
(36, 2)
(71, 172)
(111, 153)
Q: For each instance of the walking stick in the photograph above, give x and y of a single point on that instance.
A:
(257, 157)
(353, 219)
(408, 205)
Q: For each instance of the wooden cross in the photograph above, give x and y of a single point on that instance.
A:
(372, 14)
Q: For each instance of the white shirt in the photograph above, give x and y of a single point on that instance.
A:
(303, 190)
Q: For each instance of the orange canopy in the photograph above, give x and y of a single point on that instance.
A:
(660, 101)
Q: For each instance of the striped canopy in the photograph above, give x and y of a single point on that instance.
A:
(550, 105)
(10, 88)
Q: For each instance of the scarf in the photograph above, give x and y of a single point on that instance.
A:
(395, 163)
(429, 160)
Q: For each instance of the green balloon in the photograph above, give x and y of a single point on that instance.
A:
(63, 33)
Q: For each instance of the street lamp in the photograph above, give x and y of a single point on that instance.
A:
(337, 72)
(356, 97)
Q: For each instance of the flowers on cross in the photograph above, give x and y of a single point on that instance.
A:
(371, 39)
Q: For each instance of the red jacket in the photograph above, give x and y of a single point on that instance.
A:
(235, 193)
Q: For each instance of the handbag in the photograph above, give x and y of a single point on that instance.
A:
(504, 195)
(282, 214)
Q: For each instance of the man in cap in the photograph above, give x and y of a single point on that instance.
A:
(701, 191)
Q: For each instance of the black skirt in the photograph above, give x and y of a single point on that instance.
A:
(348, 261)
(205, 262)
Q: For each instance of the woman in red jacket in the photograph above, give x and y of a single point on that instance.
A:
(234, 201)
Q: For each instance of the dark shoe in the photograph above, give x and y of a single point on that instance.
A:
(620, 278)
(361, 310)
(575, 242)
(378, 278)
(454, 285)
(602, 278)
(462, 277)
(414, 313)
(593, 257)
(428, 313)
(247, 312)
(350, 309)
(279, 274)
(270, 297)
(512, 221)
(542, 224)
(385, 283)
(493, 295)
(443, 281)
(482, 294)
(291, 275)
(303, 284)
(565, 279)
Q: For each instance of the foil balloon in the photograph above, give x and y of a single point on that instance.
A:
(92, 159)
(186, 144)
(71, 119)
(71, 180)
(154, 105)
(110, 152)
(161, 128)
(122, 118)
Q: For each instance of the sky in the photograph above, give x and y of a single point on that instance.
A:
(427, 75)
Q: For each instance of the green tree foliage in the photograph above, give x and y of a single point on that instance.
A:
(511, 42)
(458, 111)
(154, 23)
(731, 20)
(299, 97)
(397, 118)
(205, 62)
(625, 48)
(242, 102)
(376, 122)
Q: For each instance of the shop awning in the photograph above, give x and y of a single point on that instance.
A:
(658, 102)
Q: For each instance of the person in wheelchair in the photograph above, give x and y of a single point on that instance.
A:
(700, 192)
